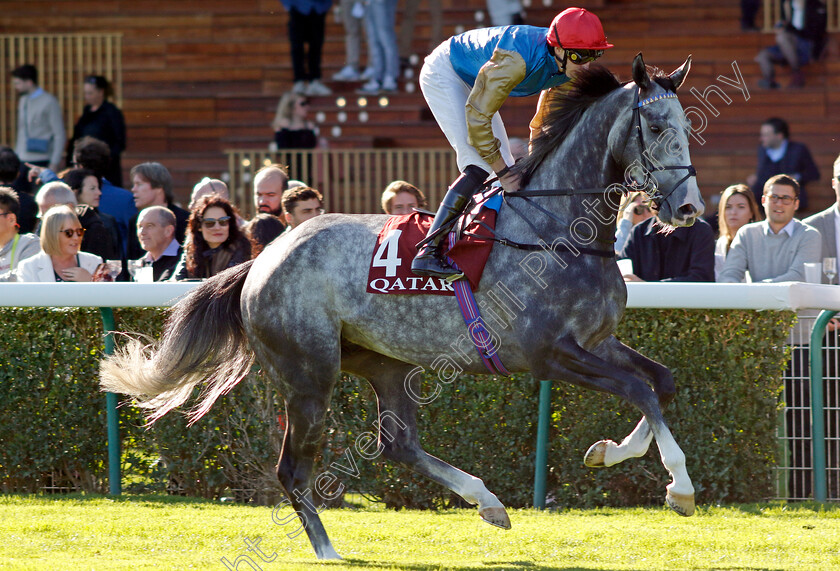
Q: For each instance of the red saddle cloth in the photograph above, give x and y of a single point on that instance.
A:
(396, 245)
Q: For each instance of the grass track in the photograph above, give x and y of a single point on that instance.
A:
(154, 532)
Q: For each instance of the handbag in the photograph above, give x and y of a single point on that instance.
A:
(41, 146)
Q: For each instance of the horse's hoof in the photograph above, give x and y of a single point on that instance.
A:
(495, 516)
(594, 457)
(683, 504)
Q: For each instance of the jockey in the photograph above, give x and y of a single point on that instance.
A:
(466, 79)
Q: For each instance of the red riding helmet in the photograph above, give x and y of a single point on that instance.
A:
(577, 28)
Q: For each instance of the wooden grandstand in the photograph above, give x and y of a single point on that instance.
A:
(201, 78)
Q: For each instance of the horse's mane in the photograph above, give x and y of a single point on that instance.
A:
(566, 105)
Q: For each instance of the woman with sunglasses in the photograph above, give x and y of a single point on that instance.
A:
(59, 259)
(214, 241)
(465, 81)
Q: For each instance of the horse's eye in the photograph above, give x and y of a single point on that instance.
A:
(655, 129)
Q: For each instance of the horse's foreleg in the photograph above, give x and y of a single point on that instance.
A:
(572, 363)
(398, 438)
(636, 444)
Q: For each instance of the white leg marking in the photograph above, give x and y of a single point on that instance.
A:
(634, 445)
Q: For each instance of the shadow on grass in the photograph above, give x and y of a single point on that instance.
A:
(780, 506)
(483, 566)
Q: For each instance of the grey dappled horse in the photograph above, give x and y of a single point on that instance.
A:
(302, 310)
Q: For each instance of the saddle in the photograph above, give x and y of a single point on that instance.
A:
(396, 245)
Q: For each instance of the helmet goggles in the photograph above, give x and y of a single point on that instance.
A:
(580, 57)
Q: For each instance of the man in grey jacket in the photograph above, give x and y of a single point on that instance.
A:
(40, 127)
(777, 248)
(828, 221)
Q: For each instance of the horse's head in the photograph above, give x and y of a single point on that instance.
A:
(657, 149)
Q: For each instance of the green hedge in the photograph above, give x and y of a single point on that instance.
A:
(727, 365)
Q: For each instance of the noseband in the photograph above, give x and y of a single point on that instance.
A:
(658, 198)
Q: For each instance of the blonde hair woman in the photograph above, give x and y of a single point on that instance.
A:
(292, 128)
(59, 259)
(737, 208)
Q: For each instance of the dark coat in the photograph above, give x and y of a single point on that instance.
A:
(797, 162)
(685, 255)
(182, 216)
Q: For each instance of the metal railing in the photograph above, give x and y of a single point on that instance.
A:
(63, 61)
(351, 180)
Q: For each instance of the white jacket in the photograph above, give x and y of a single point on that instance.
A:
(39, 267)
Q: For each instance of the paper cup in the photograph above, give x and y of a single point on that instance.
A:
(813, 272)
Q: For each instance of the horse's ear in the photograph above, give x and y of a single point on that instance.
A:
(640, 74)
(678, 76)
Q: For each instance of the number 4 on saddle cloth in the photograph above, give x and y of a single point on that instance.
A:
(390, 266)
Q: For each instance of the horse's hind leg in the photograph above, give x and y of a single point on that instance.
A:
(572, 363)
(306, 386)
(636, 444)
(398, 438)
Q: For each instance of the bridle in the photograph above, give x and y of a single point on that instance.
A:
(657, 198)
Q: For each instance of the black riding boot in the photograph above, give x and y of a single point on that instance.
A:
(429, 260)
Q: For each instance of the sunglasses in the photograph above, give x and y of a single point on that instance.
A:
(786, 200)
(580, 57)
(303, 102)
(211, 222)
(70, 231)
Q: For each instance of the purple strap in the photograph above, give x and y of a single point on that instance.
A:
(478, 333)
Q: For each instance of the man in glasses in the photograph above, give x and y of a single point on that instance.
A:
(465, 81)
(777, 248)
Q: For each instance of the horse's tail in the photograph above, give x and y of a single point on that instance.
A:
(203, 340)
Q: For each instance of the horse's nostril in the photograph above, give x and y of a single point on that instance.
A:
(687, 211)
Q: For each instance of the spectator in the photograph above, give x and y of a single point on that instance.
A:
(300, 204)
(292, 128)
(407, 24)
(270, 183)
(97, 238)
(634, 211)
(86, 186)
(152, 186)
(776, 249)
(262, 230)
(401, 197)
(93, 154)
(380, 19)
(156, 234)
(749, 9)
(307, 22)
(826, 222)
(800, 37)
(10, 169)
(40, 126)
(214, 242)
(505, 12)
(14, 247)
(353, 18)
(59, 259)
(685, 254)
(102, 120)
(777, 154)
(737, 207)
(207, 186)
